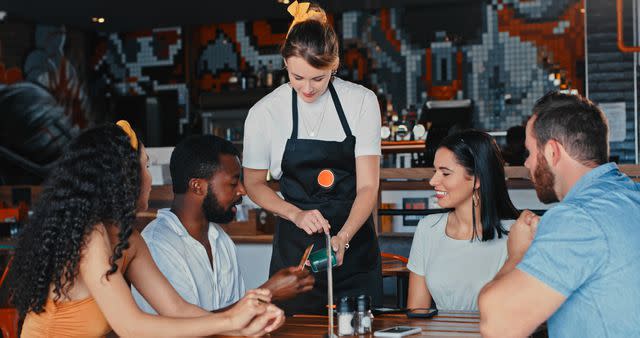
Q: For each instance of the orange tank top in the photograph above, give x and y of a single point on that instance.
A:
(75, 318)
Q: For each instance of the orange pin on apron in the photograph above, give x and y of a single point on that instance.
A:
(326, 178)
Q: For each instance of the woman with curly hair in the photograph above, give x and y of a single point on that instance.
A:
(79, 250)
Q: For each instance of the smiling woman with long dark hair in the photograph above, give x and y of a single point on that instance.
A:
(454, 254)
(74, 255)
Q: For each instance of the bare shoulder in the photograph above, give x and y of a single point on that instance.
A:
(135, 241)
(98, 238)
(96, 253)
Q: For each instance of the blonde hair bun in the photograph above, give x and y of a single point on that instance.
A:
(303, 11)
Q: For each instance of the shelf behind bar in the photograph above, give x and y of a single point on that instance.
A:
(390, 179)
(391, 147)
(515, 172)
(425, 212)
(427, 173)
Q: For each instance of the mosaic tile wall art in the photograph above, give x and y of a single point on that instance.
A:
(509, 54)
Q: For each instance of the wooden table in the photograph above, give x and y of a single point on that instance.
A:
(445, 324)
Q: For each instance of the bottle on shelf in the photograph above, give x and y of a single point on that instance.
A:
(251, 80)
(260, 76)
(269, 76)
(243, 80)
(234, 81)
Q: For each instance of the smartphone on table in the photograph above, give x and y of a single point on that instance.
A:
(421, 313)
(397, 331)
(387, 310)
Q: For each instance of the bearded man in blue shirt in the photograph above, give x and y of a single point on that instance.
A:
(578, 266)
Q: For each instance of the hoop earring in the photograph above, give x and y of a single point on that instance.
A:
(475, 198)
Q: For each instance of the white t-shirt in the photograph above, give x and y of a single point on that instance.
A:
(185, 263)
(455, 270)
(269, 123)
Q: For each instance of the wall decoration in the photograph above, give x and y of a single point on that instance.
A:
(503, 61)
(143, 63)
(48, 66)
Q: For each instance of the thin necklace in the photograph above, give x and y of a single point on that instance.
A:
(313, 132)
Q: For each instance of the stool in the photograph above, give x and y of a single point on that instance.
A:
(396, 266)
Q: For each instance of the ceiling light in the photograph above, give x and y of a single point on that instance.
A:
(100, 20)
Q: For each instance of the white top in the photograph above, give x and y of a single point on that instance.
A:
(455, 270)
(269, 123)
(185, 263)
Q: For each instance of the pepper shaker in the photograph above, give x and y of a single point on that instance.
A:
(363, 314)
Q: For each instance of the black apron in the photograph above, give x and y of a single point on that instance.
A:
(302, 162)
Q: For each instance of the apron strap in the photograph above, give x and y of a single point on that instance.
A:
(336, 102)
(294, 112)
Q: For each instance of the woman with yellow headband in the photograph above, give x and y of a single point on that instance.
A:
(79, 251)
(320, 136)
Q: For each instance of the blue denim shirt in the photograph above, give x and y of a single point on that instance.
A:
(588, 248)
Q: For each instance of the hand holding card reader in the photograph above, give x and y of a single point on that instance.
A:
(397, 331)
(305, 257)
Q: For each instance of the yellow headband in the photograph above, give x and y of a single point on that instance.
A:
(301, 13)
(133, 139)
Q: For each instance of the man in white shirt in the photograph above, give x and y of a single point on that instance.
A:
(186, 242)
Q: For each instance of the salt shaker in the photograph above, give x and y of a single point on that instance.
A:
(363, 314)
(345, 316)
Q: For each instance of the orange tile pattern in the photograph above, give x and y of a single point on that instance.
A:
(11, 75)
(561, 49)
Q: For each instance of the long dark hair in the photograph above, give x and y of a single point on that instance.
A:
(479, 154)
(97, 180)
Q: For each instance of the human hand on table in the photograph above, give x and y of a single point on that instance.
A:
(311, 221)
(289, 282)
(253, 304)
(521, 234)
(270, 320)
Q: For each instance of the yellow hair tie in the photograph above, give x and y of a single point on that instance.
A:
(301, 13)
(133, 139)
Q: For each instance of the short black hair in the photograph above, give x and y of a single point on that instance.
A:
(197, 157)
(479, 154)
(576, 123)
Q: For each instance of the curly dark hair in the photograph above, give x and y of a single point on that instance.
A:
(97, 180)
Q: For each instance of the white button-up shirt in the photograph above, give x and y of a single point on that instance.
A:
(185, 263)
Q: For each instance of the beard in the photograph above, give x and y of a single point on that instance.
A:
(214, 212)
(544, 181)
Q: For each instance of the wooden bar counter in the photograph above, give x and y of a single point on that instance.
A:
(445, 324)
(390, 179)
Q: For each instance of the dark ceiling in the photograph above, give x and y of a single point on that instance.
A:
(122, 15)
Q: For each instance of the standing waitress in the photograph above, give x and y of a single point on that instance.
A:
(319, 135)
